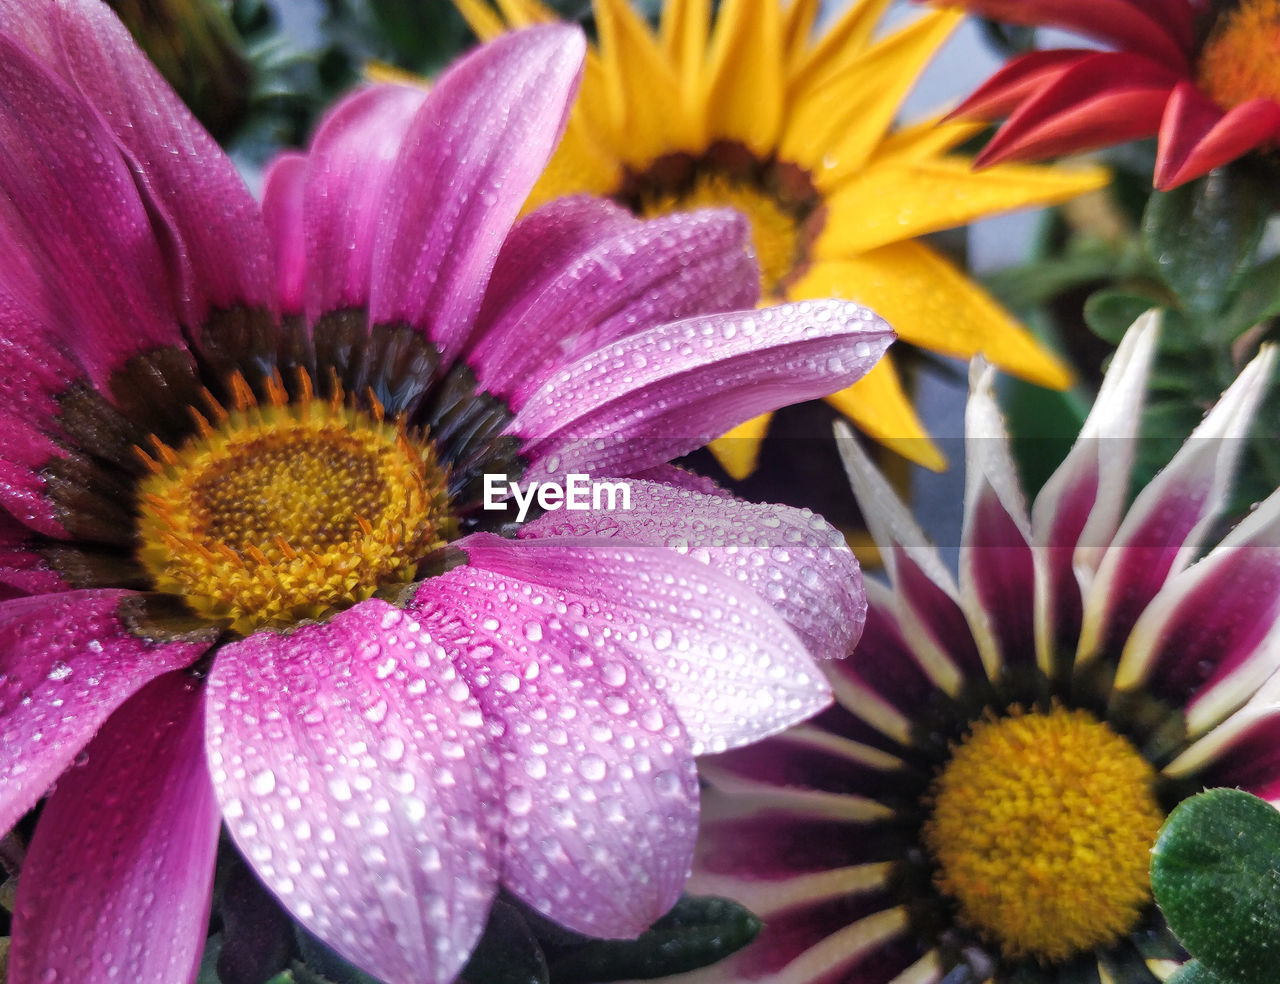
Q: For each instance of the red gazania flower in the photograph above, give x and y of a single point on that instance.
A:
(1202, 78)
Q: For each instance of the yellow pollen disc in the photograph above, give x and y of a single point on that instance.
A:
(1041, 826)
(1241, 59)
(279, 511)
(775, 232)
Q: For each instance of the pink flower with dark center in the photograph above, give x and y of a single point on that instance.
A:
(247, 569)
(982, 801)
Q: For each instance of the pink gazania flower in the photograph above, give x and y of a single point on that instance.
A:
(247, 571)
(1199, 76)
(980, 803)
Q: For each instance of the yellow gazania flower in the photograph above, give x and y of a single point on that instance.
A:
(799, 134)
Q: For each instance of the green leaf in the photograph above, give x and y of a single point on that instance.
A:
(697, 932)
(1215, 872)
(1203, 235)
(208, 973)
(1258, 300)
(1194, 972)
(507, 953)
(1110, 312)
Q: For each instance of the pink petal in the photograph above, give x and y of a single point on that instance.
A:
(349, 171)
(20, 566)
(350, 761)
(884, 682)
(119, 876)
(1169, 518)
(727, 663)
(282, 196)
(996, 567)
(1077, 511)
(1165, 34)
(67, 662)
(682, 478)
(926, 602)
(470, 158)
(1243, 751)
(1022, 78)
(38, 367)
(76, 243)
(24, 452)
(662, 393)
(669, 268)
(598, 777)
(1210, 638)
(1197, 135)
(793, 559)
(1102, 99)
(225, 255)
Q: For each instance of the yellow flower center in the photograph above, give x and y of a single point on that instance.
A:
(1241, 59)
(279, 511)
(1041, 825)
(775, 231)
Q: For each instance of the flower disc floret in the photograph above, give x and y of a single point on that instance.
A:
(1041, 825)
(1240, 60)
(279, 512)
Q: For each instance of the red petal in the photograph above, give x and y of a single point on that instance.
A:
(1103, 99)
(1021, 80)
(1197, 135)
(1166, 35)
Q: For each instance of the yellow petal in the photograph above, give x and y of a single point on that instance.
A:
(797, 29)
(839, 48)
(739, 450)
(643, 91)
(927, 139)
(905, 199)
(934, 306)
(579, 167)
(836, 125)
(877, 404)
(522, 13)
(481, 17)
(683, 29)
(745, 88)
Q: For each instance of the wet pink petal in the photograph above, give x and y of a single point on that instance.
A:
(1167, 521)
(721, 656)
(76, 243)
(351, 763)
(996, 567)
(669, 268)
(469, 161)
(682, 478)
(282, 195)
(349, 169)
(662, 393)
(793, 559)
(37, 366)
(541, 246)
(598, 777)
(24, 452)
(118, 879)
(1079, 508)
(66, 663)
(225, 256)
(20, 566)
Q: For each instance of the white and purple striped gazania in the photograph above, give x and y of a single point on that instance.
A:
(1080, 603)
(525, 718)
